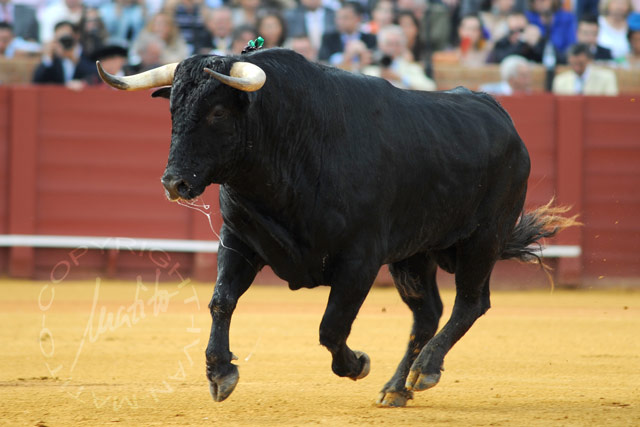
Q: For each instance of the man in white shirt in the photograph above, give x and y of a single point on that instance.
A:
(515, 71)
(584, 78)
(310, 19)
(394, 66)
(218, 35)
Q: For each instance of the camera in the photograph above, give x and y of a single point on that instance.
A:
(67, 42)
(385, 61)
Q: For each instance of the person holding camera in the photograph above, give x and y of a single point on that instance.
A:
(348, 23)
(393, 64)
(523, 39)
(62, 62)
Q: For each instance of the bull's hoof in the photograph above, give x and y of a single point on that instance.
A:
(221, 386)
(365, 362)
(417, 381)
(394, 399)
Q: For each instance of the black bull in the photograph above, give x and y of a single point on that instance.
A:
(325, 176)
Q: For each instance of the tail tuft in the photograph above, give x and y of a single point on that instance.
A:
(533, 226)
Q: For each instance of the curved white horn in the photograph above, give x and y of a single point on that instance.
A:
(243, 76)
(161, 76)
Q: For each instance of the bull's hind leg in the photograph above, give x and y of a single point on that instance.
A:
(415, 279)
(475, 259)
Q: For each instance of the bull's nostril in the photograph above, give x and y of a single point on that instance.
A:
(183, 189)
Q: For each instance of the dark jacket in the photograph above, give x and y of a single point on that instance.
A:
(332, 43)
(602, 54)
(504, 48)
(297, 23)
(205, 43)
(54, 73)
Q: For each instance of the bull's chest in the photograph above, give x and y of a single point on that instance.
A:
(289, 254)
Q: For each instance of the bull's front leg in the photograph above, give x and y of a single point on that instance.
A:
(345, 300)
(237, 268)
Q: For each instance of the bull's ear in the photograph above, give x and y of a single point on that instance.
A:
(164, 92)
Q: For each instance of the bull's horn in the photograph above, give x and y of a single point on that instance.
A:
(161, 76)
(243, 76)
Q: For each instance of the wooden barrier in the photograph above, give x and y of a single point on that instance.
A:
(17, 70)
(88, 164)
(450, 76)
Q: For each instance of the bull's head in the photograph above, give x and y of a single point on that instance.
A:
(208, 137)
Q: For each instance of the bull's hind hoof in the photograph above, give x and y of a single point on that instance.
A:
(394, 399)
(365, 362)
(221, 386)
(418, 382)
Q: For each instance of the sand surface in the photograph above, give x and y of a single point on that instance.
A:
(537, 358)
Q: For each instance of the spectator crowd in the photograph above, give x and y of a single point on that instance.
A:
(399, 40)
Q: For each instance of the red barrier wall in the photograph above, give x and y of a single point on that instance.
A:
(88, 164)
(5, 116)
(611, 201)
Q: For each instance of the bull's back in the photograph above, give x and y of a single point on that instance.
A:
(438, 157)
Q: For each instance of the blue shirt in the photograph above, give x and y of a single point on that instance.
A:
(123, 26)
(563, 28)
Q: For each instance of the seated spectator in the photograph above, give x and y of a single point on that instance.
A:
(16, 47)
(272, 27)
(304, 47)
(240, 37)
(581, 8)
(435, 22)
(22, 19)
(411, 28)
(93, 33)
(355, 58)
(188, 18)
(471, 7)
(495, 19)
(62, 62)
(588, 29)
(555, 24)
(217, 35)
(58, 11)
(393, 66)
(113, 58)
(245, 12)
(472, 50)
(148, 51)
(632, 60)
(523, 40)
(584, 78)
(381, 16)
(348, 20)
(515, 72)
(614, 27)
(123, 19)
(162, 26)
(6, 40)
(310, 19)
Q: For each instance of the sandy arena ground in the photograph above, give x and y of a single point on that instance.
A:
(537, 358)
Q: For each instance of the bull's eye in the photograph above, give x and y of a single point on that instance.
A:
(217, 113)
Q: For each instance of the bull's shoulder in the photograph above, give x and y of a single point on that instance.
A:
(482, 97)
(459, 90)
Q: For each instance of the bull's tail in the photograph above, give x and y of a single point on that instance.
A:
(545, 221)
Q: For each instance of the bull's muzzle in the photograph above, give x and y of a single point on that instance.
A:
(176, 188)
